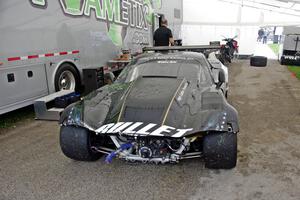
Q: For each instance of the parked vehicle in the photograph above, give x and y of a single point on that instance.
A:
(45, 44)
(227, 50)
(163, 107)
(289, 48)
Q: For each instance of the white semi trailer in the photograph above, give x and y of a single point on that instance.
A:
(44, 45)
(289, 49)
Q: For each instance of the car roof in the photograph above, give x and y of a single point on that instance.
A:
(156, 64)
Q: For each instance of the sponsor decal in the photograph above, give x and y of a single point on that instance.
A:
(179, 98)
(292, 57)
(118, 14)
(124, 12)
(134, 13)
(167, 61)
(141, 129)
(39, 2)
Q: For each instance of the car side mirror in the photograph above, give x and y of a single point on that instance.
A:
(221, 78)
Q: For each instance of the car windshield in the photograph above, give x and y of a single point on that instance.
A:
(190, 70)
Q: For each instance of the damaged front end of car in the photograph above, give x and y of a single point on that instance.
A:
(149, 124)
(148, 142)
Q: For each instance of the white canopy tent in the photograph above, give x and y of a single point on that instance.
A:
(205, 21)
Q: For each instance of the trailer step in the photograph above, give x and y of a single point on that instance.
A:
(56, 109)
(42, 112)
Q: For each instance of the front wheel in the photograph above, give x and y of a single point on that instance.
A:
(220, 150)
(75, 143)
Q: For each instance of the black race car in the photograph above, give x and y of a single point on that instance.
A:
(162, 108)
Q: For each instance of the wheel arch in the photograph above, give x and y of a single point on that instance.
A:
(232, 118)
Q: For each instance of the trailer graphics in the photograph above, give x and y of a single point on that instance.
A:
(122, 12)
(45, 45)
(118, 14)
(125, 11)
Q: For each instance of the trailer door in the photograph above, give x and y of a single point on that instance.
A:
(20, 85)
(157, 21)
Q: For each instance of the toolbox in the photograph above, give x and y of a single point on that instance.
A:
(93, 79)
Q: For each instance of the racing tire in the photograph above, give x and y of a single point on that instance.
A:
(258, 61)
(67, 77)
(75, 143)
(220, 150)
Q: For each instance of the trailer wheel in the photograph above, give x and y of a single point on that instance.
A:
(66, 78)
(75, 143)
(220, 150)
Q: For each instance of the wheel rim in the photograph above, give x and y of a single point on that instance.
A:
(66, 81)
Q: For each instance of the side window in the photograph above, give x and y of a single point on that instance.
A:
(204, 62)
(205, 71)
(203, 78)
(133, 75)
(205, 75)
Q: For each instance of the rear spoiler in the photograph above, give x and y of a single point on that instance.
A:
(197, 48)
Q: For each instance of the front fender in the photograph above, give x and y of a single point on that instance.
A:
(232, 118)
(72, 115)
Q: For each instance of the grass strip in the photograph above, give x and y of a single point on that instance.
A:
(9, 120)
(294, 69)
(275, 48)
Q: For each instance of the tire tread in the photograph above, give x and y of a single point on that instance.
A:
(220, 150)
(75, 144)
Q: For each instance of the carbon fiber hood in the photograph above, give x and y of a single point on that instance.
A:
(150, 103)
(149, 100)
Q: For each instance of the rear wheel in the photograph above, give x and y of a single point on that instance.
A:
(220, 150)
(76, 142)
(66, 78)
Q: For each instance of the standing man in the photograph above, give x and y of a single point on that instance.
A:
(163, 35)
(265, 37)
(261, 33)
